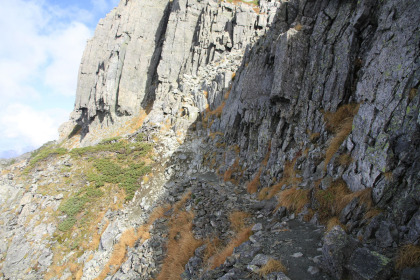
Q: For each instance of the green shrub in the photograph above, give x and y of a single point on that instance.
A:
(141, 137)
(44, 153)
(93, 192)
(127, 178)
(110, 140)
(67, 224)
(73, 206)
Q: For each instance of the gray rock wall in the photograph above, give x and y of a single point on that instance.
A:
(141, 50)
(325, 54)
(119, 61)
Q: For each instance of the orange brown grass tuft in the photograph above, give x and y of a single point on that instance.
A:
(408, 256)
(341, 124)
(158, 212)
(372, 213)
(345, 160)
(237, 220)
(412, 94)
(333, 200)
(334, 120)
(334, 221)
(181, 246)
(272, 266)
(128, 238)
(298, 27)
(389, 176)
(228, 174)
(289, 178)
(220, 257)
(314, 137)
(252, 186)
(294, 199)
(213, 245)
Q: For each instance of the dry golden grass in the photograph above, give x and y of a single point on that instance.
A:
(55, 270)
(341, 124)
(314, 137)
(412, 94)
(158, 212)
(79, 274)
(226, 96)
(181, 246)
(137, 121)
(334, 221)
(364, 196)
(333, 200)
(408, 256)
(181, 242)
(330, 199)
(264, 193)
(118, 254)
(93, 245)
(166, 125)
(334, 120)
(228, 174)
(213, 245)
(289, 178)
(73, 268)
(272, 266)
(389, 176)
(237, 220)
(337, 140)
(372, 213)
(214, 134)
(294, 199)
(252, 186)
(216, 112)
(345, 160)
(298, 27)
(221, 256)
(178, 205)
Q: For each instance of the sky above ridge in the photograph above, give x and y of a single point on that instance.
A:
(40, 51)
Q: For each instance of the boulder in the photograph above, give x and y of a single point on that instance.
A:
(369, 265)
(336, 250)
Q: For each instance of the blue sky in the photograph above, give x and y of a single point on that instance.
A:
(40, 51)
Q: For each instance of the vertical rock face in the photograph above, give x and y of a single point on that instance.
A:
(337, 53)
(141, 50)
(120, 60)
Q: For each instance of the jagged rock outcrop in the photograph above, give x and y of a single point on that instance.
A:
(141, 50)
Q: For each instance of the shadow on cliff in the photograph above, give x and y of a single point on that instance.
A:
(152, 75)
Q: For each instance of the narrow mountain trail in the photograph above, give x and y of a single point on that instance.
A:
(222, 211)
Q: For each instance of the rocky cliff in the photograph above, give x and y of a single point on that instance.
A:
(280, 138)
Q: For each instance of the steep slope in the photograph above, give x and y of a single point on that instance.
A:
(269, 125)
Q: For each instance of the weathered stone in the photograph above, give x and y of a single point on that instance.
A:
(365, 264)
(336, 251)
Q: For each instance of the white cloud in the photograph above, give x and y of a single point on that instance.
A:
(38, 50)
(40, 53)
(65, 47)
(29, 127)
